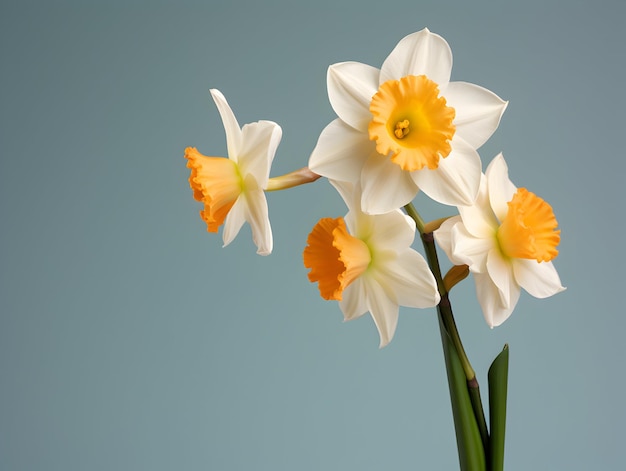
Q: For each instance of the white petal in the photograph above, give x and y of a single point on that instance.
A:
(393, 231)
(469, 250)
(488, 295)
(385, 185)
(234, 220)
(383, 309)
(410, 279)
(478, 218)
(501, 189)
(359, 224)
(501, 273)
(478, 111)
(421, 53)
(457, 179)
(348, 193)
(514, 297)
(259, 143)
(540, 279)
(231, 126)
(353, 303)
(341, 152)
(443, 235)
(257, 215)
(351, 86)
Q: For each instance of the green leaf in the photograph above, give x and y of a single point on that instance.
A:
(498, 376)
(469, 442)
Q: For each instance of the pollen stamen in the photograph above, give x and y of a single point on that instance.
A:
(402, 129)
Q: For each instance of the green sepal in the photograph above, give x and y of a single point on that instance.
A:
(498, 376)
(468, 439)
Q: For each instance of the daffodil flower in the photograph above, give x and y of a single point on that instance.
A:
(365, 262)
(406, 127)
(232, 189)
(508, 238)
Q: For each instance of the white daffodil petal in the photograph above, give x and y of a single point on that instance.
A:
(257, 215)
(392, 231)
(359, 224)
(457, 179)
(409, 277)
(499, 318)
(341, 152)
(478, 218)
(385, 186)
(234, 220)
(488, 295)
(478, 111)
(541, 280)
(501, 273)
(443, 235)
(349, 192)
(421, 53)
(469, 250)
(354, 300)
(259, 143)
(351, 86)
(231, 126)
(383, 309)
(501, 189)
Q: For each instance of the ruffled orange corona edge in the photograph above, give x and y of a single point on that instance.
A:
(411, 122)
(216, 183)
(335, 257)
(529, 228)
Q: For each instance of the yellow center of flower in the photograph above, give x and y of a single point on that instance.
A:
(402, 129)
(529, 228)
(216, 182)
(411, 122)
(335, 257)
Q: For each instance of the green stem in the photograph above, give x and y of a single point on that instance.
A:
(444, 307)
(444, 310)
(289, 180)
(419, 222)
(471, 451)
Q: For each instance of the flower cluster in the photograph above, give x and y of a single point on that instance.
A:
(399, 129)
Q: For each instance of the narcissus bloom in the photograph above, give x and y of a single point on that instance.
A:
(406, 126)
(508, 238)
(365, 262)
(231, 189)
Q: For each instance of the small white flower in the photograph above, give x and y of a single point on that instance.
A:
(232, 188)
(508, 239)
(406, 126)
(365, 262)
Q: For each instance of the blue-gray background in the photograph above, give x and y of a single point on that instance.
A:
(130, 340)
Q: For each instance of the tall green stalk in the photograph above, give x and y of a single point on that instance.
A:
(467, 414)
